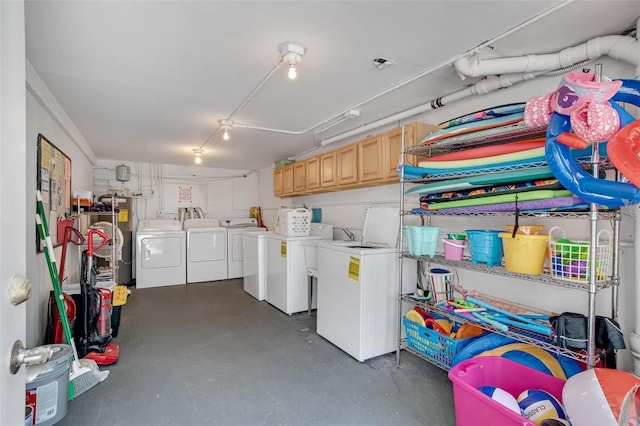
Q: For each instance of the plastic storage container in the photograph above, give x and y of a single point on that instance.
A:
(434, 345)
(524, 253)
(569, 259)
(47, 393)
(422, 240)
(471, 405)
(293, 222)
(525, 229)
(485, 246)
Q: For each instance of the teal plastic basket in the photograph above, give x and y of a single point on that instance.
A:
(422, 240)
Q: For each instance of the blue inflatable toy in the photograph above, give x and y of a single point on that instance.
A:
(573, 177)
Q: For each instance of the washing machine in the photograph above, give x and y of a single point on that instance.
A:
(358, 287)
(254, 260)
(160, 253)
(206, 250)
(287, 279)
(236, 227)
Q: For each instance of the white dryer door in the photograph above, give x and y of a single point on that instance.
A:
(162, 251)
(207, 246)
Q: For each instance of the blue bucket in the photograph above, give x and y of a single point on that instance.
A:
(485, 246)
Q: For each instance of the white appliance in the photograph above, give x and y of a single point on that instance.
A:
(358, 288)
(254, 260)
(160, 253)
(287, 279)
(236, 227)
(206, 250)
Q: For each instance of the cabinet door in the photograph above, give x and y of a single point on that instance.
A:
(313, 173)
(348, 165)
(370, 164)
(393, 150)
(328, 170)
(414, 133)
(299, 177)
(287, 179)
(278, 183)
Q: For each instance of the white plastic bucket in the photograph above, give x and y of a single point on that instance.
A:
(47, 392)
(453, 249)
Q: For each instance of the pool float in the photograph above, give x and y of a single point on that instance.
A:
(573, 177)
(623, 150)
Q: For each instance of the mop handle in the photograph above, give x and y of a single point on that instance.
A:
(57, 289)
(501, 311)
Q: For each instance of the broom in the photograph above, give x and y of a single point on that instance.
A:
(84, 373)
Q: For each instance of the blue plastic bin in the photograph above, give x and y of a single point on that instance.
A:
(485, 246)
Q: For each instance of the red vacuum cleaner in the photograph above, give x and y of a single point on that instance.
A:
(95, 340)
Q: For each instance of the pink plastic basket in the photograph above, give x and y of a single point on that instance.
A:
(471, 405)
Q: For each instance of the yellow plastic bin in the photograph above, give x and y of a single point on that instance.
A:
(524, 254)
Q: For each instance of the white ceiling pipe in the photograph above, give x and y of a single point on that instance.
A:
(482, 87)
(622, 48)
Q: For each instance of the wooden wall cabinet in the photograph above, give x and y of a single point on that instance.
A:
(278, 183)
(313, 173)
(414, 133)
(328, 170)
(299, 177)
(287, 179)
(348, 165)
(370, 159)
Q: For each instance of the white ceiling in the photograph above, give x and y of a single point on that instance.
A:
(149, 80)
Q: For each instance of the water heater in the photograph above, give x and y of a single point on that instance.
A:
(123, 173)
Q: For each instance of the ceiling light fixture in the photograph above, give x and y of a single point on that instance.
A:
(292, 53)
(225, 126)
(198, 154)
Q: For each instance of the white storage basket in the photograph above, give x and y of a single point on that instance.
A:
(569, 259)
(293, 222)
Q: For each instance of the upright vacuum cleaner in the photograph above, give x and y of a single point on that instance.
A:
(94, 340)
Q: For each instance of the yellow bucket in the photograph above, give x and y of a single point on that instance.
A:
(524, 254)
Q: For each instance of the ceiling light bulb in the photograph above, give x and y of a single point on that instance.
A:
(292, 70)
(225, 134)
(198, 160)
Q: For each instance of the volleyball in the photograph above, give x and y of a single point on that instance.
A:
(538, 405)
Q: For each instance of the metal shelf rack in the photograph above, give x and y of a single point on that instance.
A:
(506, 134)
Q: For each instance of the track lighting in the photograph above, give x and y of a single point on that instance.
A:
(197, 152)
(292, 53)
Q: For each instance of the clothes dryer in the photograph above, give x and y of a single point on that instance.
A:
(236, 227)
(160, 253)
(206, 250)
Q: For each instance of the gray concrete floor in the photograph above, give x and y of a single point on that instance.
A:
(210, 354)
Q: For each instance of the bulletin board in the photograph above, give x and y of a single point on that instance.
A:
(54, 183)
